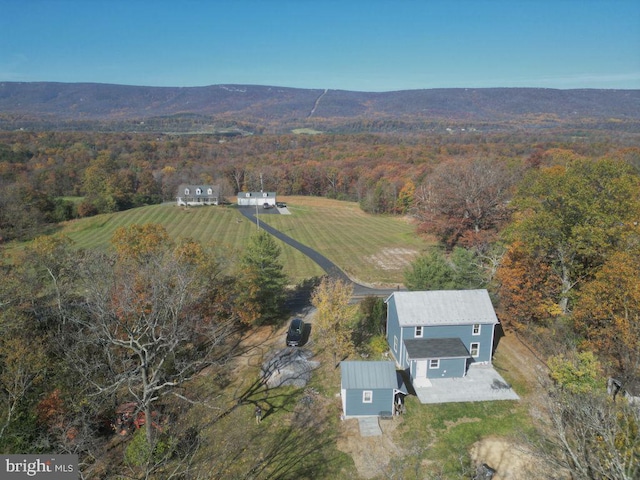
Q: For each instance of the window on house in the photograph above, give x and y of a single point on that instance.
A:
(209, 191)
(367, 396)
(476, 329)
(475, 349)
(395, 343)
(418, 332)
(186, 191)
(198, 191)
(434, 363)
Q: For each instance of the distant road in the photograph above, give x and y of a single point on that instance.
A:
(317, 102)
(327, 265)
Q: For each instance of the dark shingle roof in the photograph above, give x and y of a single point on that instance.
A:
(436, 348)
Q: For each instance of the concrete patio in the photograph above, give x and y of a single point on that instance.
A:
(481, 384)
(369, 426)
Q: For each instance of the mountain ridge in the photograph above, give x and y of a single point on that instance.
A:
(282, 106)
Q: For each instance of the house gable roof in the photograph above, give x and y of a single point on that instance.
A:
(368, 375)
(193, 189)
(443, 307)
(256, 194)
(436, 348)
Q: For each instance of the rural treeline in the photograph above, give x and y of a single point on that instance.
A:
(550, 225)
(384, 173)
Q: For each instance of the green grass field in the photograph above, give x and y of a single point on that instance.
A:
(371, 249)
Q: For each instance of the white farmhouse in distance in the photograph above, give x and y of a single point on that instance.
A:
(256, 198)
(198, 195)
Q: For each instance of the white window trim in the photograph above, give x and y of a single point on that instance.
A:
(434, 363)
(186, 191)
(473, 329)
(395, 343)
(209, 192)
(367, 396)
(477, 349)
(421, 329)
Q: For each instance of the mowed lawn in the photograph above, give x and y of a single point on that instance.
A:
(371, 249)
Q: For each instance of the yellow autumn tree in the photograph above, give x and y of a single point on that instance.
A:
(335, 317)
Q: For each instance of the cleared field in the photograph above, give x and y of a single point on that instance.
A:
(371, 249)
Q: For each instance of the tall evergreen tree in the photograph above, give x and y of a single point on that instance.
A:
(262, 281)
(434, 271)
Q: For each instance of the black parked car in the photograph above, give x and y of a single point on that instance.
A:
(295, 332)
(281, 205)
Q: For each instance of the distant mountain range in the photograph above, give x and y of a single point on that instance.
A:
(255, 109)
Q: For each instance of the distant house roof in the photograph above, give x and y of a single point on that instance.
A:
(444, 307)
(436, 348)
(256, 194)
(370, 375)
(197, 190)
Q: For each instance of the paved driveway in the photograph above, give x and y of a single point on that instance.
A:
(327, 265)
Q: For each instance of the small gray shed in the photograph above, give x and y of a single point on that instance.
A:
(370, 388)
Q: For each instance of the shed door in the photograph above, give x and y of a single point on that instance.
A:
(421, 369)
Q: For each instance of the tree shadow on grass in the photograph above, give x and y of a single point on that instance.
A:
(290, 442)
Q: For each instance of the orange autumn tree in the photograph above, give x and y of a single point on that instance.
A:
(608, 313)
(527, 287)
(573, 218)
(136, 242)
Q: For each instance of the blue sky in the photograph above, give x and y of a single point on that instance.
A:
(371, 45)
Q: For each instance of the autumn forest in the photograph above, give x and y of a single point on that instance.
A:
(547, 219)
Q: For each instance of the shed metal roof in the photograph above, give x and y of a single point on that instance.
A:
(368, 375)
(444, 307)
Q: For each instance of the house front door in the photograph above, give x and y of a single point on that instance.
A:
(420, 378)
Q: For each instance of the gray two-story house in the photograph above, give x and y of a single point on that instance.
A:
(439, 334)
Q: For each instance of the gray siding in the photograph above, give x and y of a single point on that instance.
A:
(382, 402)
(393, 330)
(464, 333)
